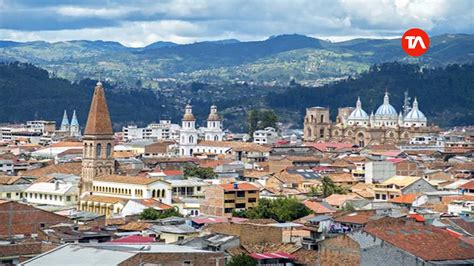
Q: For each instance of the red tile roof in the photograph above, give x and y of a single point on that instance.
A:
(325, 146)
(240, 187)
(404, 199)
(98, 121)
(319, 207)
(426, 242)
(468, 185)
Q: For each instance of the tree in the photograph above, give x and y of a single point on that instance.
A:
(241, 260)
(330, 188)
(152, 214)
(202, 173)
(260, 119)
(281, 210)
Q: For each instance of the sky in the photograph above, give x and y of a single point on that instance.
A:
(137, 23)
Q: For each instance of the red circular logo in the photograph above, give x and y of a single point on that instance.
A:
(415, 42)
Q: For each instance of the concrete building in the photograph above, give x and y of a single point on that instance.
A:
(53, 194)
(378, 171)
(267, 136)
(221, 200)
(163, 130)
(401, 185)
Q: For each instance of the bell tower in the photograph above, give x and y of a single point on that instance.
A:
(98, 141)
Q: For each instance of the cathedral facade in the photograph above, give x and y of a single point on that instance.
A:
(354, 125)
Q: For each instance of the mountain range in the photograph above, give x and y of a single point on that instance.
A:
(276, 60)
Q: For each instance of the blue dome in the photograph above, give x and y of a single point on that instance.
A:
(358, 113)
(386, 109)
(415, 115)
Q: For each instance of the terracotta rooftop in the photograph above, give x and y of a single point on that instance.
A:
(426, 242)
(236, 145)
(104, 199)
(319, 207)
(136, 180)
(404, 199)
(341, 177)
(355, 217)
(468, 185)
(240, 187)
(158, 147)
(98, 121)
(63, 168)
(339, 200)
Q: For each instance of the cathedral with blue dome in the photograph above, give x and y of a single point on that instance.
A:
(354, 125)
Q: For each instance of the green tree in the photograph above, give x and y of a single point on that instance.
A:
(329, 188)
(260, 119)
(281, 210)
(241, 260)
(196, 171)
(152, 214)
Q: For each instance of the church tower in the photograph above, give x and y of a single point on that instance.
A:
(75, 131)
(188, 135)
(64, 122)
(98, 141)
(214, 126)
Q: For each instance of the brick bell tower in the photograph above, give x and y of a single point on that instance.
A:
(98, 141)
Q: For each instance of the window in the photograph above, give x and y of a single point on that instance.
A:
(108, 150)
(377, 196)
(228, 210)
(98, 150)
(9, 195)
(229, 201)
(240, 194)
(240, 205)
(68, 198)
(384, 197)
(322, 119)
(252, 200)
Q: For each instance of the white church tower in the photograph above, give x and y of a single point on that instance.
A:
(75, 130)
(214, 126)
(188, 135)
(65, 122)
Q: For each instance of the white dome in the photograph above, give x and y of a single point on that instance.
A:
(386, 109)
(358, 112)
(415, 115)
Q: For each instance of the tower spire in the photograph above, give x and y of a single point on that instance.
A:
(98, 121)
(65, 122)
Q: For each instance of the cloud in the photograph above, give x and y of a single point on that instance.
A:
(138, 23)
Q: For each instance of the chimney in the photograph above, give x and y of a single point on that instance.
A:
(236, 185)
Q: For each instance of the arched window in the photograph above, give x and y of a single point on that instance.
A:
(191, 139)
(153, 193)
(98, 150)
(216, 138)
(321, 133)
(108, 150)
(322, 119)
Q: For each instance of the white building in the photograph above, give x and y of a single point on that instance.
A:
(164, 130)
(214, 126)
(266, 136)
(55, 194)
(188, 136)
(132, 187)
(379, 171)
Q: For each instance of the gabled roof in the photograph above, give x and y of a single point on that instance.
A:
(468, 185)
(98, 121)
(401, 181)
(426, 242)
(404, 199)
(319, 207)
(136, 180)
